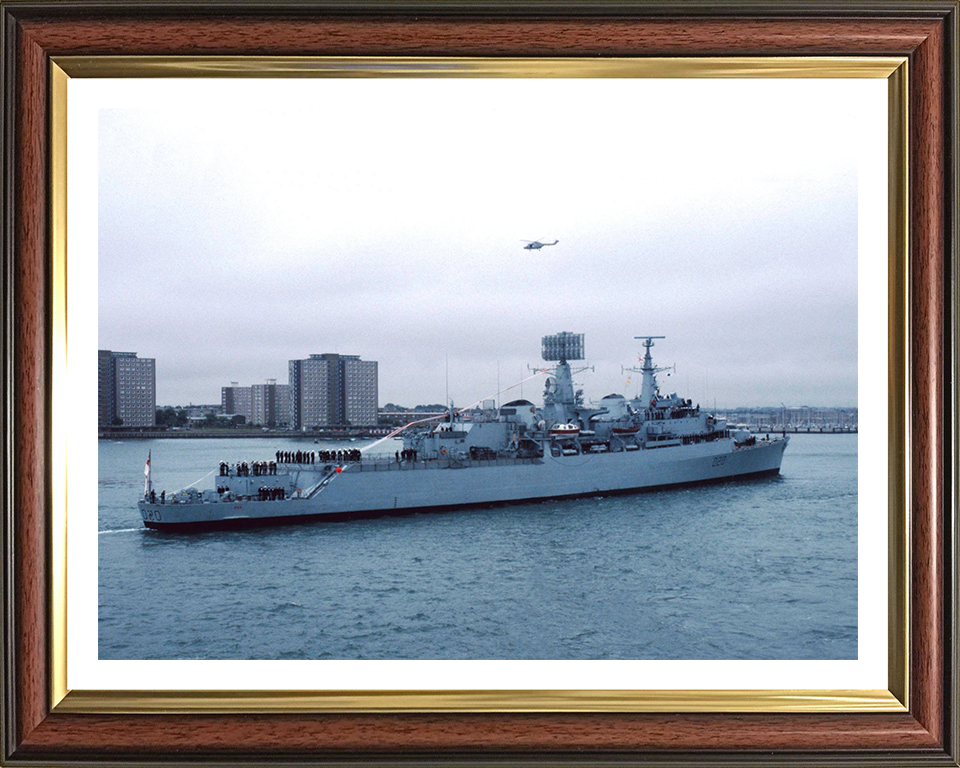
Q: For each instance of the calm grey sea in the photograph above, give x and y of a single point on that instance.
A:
(744, 570)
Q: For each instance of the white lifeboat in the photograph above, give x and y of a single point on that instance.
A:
(626, 431)
(564, 430)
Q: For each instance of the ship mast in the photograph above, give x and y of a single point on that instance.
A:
(649, 371)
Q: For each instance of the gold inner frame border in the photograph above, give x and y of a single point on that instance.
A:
(893, 699)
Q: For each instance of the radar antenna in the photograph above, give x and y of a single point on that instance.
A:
(562, 347)
(559, 397)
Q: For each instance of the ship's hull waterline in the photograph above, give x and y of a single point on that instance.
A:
(384, 488)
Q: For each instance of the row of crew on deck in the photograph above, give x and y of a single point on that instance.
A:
(312, 457)
(244, 469)
(264, 493)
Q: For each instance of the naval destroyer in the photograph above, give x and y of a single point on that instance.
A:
(565, 448)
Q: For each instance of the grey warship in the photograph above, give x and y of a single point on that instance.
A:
(566, 448)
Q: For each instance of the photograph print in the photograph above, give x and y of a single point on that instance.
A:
(473, 369)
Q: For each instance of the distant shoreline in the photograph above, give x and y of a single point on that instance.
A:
(375, 432)
(189, 434)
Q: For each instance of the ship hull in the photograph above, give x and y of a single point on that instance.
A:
(391, 489)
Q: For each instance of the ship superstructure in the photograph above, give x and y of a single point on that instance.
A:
(565, 448)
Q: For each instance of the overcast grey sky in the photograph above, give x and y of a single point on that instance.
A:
(384, 218)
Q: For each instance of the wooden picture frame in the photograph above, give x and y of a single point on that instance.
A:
(36, 731)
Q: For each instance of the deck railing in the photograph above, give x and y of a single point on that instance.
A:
(388, 463)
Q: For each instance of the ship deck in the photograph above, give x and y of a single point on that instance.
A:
(390, 464)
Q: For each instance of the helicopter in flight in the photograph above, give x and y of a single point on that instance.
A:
(536, 245)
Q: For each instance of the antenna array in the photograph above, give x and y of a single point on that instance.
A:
(563, 346)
